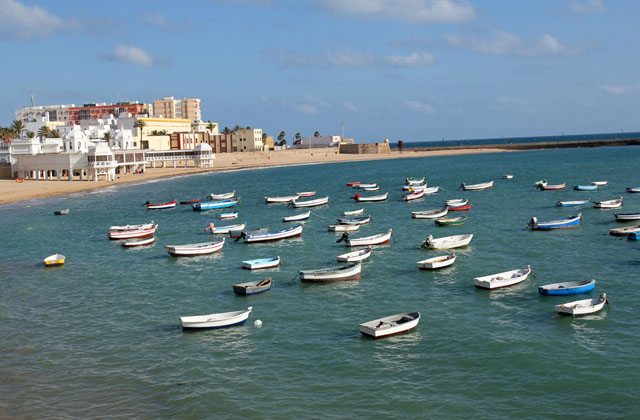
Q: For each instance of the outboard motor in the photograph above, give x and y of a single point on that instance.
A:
(344, 237)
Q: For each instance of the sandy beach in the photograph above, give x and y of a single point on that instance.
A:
(12, 192)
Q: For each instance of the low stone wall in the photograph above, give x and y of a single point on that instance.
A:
(5, 171)
(367, 148)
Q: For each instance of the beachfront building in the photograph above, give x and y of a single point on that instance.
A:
(156, 132)
(199, 157)
(249, 139)
(100, 110)
(168, 107)
(268, 142)
(320, 141)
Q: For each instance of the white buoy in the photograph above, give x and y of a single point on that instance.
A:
(257, 323)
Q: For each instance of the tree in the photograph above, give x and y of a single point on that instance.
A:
(226, 130)
(210, 126)
(140, 125)
(17, 127)
(298, 137)
(282, 138)
(44, 132)
(30, 134)
(54, 134)
(107, 136)
(316, 134)
(237, 127)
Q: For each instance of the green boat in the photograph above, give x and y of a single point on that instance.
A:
(451, 221)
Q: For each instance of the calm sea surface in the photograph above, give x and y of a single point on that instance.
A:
(100, 337)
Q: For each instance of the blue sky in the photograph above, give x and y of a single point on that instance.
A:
(408, 70)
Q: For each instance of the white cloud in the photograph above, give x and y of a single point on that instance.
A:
(506, 43)
(588, 7)
(350, 107)
(419, 108)
(619, 89)
(417, 11)
(306, 109)
(133, 55)
(308, 106)
(156, 19)
(412, 60)
(346, 58)
(27, 22)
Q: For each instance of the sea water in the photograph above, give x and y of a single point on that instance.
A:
(101, 337)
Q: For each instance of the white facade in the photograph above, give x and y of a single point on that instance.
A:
(52, 112)
(249, 139)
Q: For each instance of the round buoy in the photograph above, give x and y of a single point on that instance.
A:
(257, 323)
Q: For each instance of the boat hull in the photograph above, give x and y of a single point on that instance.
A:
(344, 273)
(269, 237)
(582, 307)
(436, 262)
(213, 321)
(391, 325)
(195, 250)
(500, 280)
(261, 264)
(567, 288)
(252, 288)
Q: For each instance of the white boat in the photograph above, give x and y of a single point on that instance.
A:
(354, 220)
(390, 325)
(131, 234)
(261, 263)
(229, 215)
(632, 190)
(507, 176)
(609, 204)
(53, 260)
(600, 183)
(430, 214)
(365, 185)
(627, 217)
(456, 202)
(379, 239)
(582, 307)
(202, 248)
(343, 228)
(447, 242)
(414, 187)
(376, 188)
(414, 181)
(431, 190)
(253, 287)
(131, 227)
(508, 278)
(161, 206)
(222, 196)
(624, 231)
(434, 263)
(350, 271)
(226, 228)
(306, 193)
(260, 236)
(139, 242)
(297, 217)
(353, 212)
(477, 187)
(310, 203)
(220, 320)
(371, 198)
(414, 195)
(355, 256)
(281, 199)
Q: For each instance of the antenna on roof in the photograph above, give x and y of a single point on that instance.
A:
(33, 99)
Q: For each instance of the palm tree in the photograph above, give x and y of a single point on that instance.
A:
(210, 126)
(17, 127)
(298, 137)
(226, 130)
(107, 136)
(140, 125)
(44, 132)
(316, 134)
(282, 138)
(236, 128)
(30, 134)
(54, 134)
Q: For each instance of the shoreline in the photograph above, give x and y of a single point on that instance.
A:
(12, 192)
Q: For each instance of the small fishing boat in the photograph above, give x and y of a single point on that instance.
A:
(220, 320)
(507, 176)
(210, 205)
(390, 325)
(379, 239)
(627, 217)
(447, 242)
(343, 228)
(456, 202)
(567, 288)
(414, 195)
(195, 200)
(368, 185)
(355, 256)
(306, 193)
(139, 242)
(430, 190)
(376, 188)
(414, 181)
(353, 184)
(430, 214)
(624, 231)
(632, 190)
(350, 271)
(434, 263)
(281, 199)
(540, 183)
(589, 187)
(161, 206)
(551, 187)
(228, 215)
(600, 183)
(568, 223)
(465, 207)
(572, 203)
(310, 203)
(53, 260)
(225, 228)
(582, 307)
(451, 221)
(353, 212)
(372, 198)
(633, 236)
(297, 217)
(508, 278)
(261, 263)
(354, 220)
(133, 233)
(477, 187)
(131, 227)
(293, 231)
(609, 204)
(191, 250)
(414, 187)
(222, 196)
(63, 212)
(253, 287)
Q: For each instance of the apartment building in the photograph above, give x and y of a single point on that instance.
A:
(168, 107)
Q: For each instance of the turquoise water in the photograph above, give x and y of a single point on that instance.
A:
(100, 337)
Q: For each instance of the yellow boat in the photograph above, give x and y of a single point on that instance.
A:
(53, 260)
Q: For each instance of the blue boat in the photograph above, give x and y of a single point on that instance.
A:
(568, 223)
(573, 203)
(585, 187)
(633, 236)
(567, 288)
(210, 205)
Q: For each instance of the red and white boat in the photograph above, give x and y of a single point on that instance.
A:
(371, 198)
(353, 184)
(190, 250)
(306, 193)
(133, 233)
(161, 206)
(465, 207)
(414, 196)
(131, 227)
(139, 242)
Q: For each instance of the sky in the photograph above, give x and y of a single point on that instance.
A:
(412, 70)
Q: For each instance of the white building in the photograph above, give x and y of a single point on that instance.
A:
(58, 113)
(249, 139)
(321, 141)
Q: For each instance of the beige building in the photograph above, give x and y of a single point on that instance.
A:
(168, 107)
(55, 113)
(151, 139)
(249, 139)
(268, 142)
